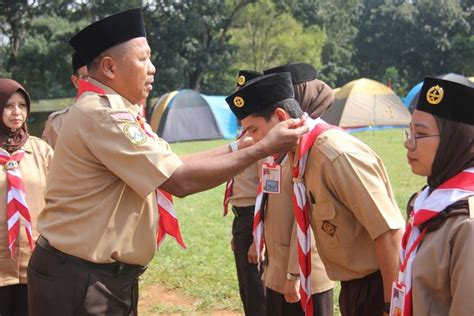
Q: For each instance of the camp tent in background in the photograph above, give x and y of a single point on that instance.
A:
(365, 103)
(226, 120)
(411, 98)
(186, 115)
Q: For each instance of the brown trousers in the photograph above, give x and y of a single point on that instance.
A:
(362, 297)
(60, 284)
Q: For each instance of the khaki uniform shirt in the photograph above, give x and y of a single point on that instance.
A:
(281, 241)
(351, 202)
(443, 277)
(101, 204)
(53, 125)
(245, 187)
(33, 167)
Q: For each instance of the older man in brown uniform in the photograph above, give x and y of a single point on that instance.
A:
(354, 217)
(98, 229)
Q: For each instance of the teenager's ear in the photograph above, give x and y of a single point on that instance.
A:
(281, 114)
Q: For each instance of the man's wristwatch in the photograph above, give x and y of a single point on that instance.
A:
(292, 276)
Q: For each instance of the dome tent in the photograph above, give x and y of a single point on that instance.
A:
(366, 103)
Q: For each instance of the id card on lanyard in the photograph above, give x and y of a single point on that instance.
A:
(397, 304)
(271, 178)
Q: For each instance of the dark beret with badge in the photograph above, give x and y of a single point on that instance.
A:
(108, 32)
(447, 99)
(259, 93)
(247, 75)
(77, 62)
(300, 72)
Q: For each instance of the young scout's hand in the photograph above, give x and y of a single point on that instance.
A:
(284, 136)
(291, 291)
(252, 254)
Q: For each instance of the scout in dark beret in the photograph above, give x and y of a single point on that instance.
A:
(440, 147)
(246, 75)
(300, 72)
(259, 93)
(108, 32)
(447, 99)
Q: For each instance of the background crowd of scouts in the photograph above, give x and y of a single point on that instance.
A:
(79, 227)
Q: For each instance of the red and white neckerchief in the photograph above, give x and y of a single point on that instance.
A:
(301, 210)
(16, 202)
(426, 207)
(227, 195)
(167, 220)
(257, 229)
(168, 223)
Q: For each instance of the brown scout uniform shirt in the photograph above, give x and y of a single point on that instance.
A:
(443, 274)
(245, 187)
(33, 167)
(351, 204)
(101, 204)
(282, 243)
(52, 126)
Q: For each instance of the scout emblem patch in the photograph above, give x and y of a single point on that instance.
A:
(434, 95)
(134, 133)
(329, 228)
(239, 102)
(241, 80)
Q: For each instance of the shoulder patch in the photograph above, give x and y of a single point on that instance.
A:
(134, 133)
(122, 116)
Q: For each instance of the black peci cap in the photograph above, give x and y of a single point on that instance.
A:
(247, 75)
(77, 62)
(259, 93)
(300, 72)
(108, 32)
(447, 99)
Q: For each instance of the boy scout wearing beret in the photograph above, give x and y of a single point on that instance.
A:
(98, 228)
(354, 217)
(244, 193)
(280, 232)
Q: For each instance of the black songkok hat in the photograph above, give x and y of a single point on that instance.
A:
(77, 62)
(260, 93)
(108, 32)
(247, 75)
(300, 72)
(447, 99)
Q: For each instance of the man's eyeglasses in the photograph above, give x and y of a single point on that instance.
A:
(410, 138)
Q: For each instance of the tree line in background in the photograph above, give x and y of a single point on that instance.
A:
(202, 44)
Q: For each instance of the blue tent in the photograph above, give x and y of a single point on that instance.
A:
(408, 99)
(225, 119)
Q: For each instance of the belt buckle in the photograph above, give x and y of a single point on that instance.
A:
(235, 212)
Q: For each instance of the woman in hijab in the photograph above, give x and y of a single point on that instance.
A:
(436, 274)
(24, 160)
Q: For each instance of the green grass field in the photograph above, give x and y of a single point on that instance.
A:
(206, 270)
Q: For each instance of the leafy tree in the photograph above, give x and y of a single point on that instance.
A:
(338, 19)
(189, 40)
(265, 38)
(417, 36)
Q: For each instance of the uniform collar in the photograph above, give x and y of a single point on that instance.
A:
(109, 91)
